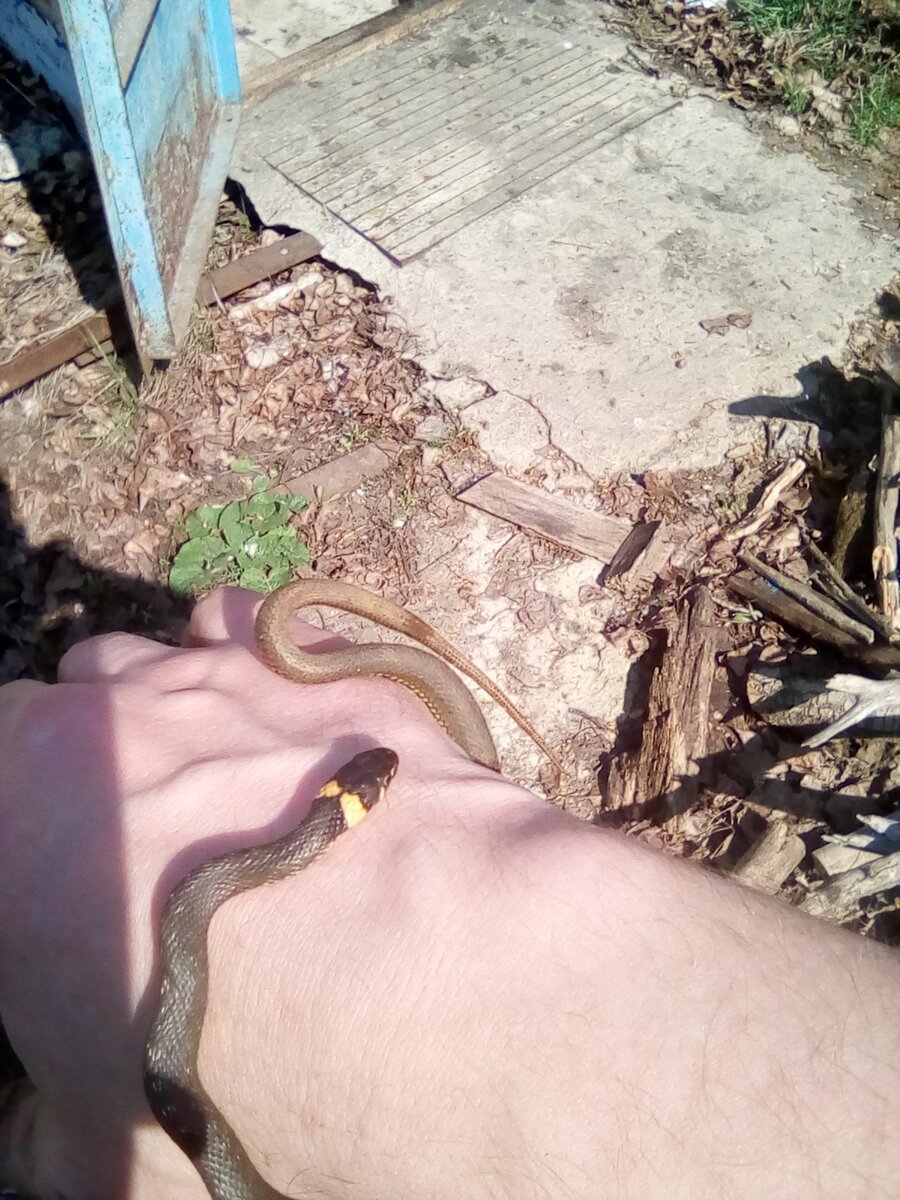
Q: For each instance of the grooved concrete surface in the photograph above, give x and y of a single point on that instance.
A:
(523, 107)
(579, 300)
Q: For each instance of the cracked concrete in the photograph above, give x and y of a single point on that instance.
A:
(583, 294)
(562, 326)
(511, 431)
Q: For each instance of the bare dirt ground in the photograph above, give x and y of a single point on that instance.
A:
(312, 370)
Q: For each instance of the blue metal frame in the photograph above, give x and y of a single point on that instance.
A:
(160, 114)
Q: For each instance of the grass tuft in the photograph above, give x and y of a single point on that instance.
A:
(848, 41)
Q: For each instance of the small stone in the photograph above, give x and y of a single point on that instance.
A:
(14, 240)
(788, 126)
(433, 428)
(460, 392)
(432, 457)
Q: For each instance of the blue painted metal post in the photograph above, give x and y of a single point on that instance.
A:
(159, 97)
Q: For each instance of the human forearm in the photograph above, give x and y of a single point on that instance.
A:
(585, 1018)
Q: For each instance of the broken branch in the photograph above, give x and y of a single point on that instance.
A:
(768, 501)
(817, 604)
(887, 491)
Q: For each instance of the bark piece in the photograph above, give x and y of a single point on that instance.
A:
(771, 859)
(887, 492)
(662, 776)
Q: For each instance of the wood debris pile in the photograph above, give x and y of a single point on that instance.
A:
(765, 729)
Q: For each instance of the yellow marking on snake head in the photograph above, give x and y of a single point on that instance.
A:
(353, 808)
(331, 789)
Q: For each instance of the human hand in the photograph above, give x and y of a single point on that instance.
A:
(143, 761)
(470, 994)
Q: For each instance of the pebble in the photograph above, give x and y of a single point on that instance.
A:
(788, 126)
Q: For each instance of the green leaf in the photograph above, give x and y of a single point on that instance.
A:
(299, 554)
(241, 466)
(260, 483)
(271, 550)
(188, 578)
(202, 520)
(261, 505)
(297, 503)
(199, 552)
(255, 579)
(278, 577)
(233, 525)
(280, 516)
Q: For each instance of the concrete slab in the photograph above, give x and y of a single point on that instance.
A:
(267, 30)
(580, 295)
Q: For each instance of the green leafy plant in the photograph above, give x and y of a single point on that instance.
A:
(357, 435)
(250, 542)
(845, 41)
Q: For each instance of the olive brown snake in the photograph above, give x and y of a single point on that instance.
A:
(171, 1079)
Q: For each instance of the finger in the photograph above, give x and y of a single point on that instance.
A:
(229, 615)
(110, 656)
(14, 699)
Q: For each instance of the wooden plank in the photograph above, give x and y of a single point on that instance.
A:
(341, 475)
(35, 361)
(259, 264)
(633, 548)
(382, 30)
(557, 519)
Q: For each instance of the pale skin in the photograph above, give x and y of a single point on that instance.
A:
(472, 995)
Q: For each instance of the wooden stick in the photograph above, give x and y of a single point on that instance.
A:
(821, 606)
(887, 492)
(789, 611)
(767, 502)
(843, 593)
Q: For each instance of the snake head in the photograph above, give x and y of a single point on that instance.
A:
(361, 782)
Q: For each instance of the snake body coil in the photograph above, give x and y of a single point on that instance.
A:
(171, 1079)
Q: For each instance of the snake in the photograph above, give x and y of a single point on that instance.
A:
(171, 1078)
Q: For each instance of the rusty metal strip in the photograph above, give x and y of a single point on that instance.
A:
(81, 339)
(378, 31)
(35, 361)
(257, 265)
